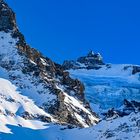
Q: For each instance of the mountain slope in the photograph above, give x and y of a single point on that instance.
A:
(51, 93)
(13, 104)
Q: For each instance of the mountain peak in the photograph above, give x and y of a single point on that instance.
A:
(90, 61)
(90, 54)
(95, 56)
(7, 18)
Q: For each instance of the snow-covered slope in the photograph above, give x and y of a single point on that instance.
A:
(126, 128)
(12, 66)
(13, 105)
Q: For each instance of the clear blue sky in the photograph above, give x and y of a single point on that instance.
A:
(66, 29)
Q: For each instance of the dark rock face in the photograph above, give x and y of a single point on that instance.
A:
(136, 69)
(52, 69)
(28, 116)
(128, 108)
(45, 71)
(91, 61)
(7, 18)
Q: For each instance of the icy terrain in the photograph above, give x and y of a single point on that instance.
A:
(108, 87)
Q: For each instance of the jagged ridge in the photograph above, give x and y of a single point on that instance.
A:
(28, 69)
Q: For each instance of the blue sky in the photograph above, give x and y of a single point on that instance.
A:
(66, 29)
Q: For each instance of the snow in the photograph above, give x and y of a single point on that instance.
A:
(19, 95)
(19, 121)
(44, 62)
(122, 128)
(9, 91)
(27, 84)
(116, 70)
(33, 62)
(108, 87)
(75, 104)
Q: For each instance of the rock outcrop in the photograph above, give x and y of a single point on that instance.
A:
(128, 108)
(91, 61)
(7, 18)
(136, 69)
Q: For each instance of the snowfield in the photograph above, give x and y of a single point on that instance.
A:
(12, 104)
(126, 128)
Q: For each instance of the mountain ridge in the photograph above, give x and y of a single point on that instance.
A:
(21, 62)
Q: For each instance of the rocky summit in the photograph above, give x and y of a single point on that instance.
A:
(90, 61)
(7, 18)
